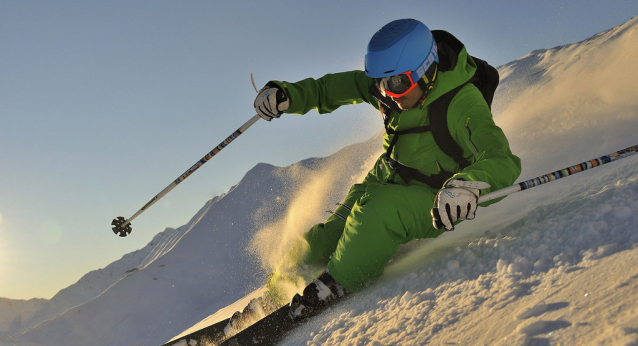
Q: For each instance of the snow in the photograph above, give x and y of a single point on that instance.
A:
(548, 277)
(552, 265)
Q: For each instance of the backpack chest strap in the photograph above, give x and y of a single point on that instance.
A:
(396, 134)
(408, 173)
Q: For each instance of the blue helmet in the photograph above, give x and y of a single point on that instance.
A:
(400, 46)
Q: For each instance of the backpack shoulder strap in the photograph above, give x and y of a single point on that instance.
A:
(440, 131)
(486, 79)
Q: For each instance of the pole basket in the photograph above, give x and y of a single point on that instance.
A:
(120, 230)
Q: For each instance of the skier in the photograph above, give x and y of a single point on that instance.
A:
(415, 189)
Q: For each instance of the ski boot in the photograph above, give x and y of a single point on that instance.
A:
(321, 292)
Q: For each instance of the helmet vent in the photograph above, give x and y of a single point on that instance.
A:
(391, 33)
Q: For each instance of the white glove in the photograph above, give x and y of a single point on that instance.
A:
(457, 201)
(271, 102)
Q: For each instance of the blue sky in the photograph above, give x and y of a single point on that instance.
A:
(104, 103)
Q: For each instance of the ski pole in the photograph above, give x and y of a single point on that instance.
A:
(528, 184)
(122, 226)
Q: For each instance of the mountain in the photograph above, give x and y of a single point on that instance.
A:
(179, 275)
(555, 264)
(18, 315)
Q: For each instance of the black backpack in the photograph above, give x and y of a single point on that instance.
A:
(485, 78)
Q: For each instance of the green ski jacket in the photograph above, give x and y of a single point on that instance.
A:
(469, 120)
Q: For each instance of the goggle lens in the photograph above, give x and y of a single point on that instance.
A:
(395, 86)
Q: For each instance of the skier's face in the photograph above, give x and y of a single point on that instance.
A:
(411, 99)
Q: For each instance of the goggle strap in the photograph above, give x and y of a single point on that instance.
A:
(427, 83)
(427, 63)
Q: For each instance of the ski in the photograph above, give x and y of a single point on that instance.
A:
(212, 334)
(270, 329)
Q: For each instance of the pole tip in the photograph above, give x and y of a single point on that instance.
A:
(120, 230)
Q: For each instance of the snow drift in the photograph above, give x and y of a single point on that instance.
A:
(556, 264)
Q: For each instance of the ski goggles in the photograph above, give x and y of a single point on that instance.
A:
(399, 85)
(396, 86)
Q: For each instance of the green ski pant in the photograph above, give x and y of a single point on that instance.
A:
(362, 235)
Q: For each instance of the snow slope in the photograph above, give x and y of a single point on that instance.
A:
(565, 273)
(556, 264)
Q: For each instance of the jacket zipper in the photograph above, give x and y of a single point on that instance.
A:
(469, 132)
